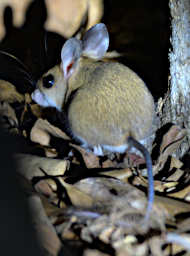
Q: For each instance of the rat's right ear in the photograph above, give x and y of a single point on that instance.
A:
(70, 54)
(96, 41)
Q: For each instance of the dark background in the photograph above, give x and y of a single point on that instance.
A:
(139, 30)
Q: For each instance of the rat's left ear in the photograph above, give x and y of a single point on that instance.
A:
(70, 54)
(96, 41)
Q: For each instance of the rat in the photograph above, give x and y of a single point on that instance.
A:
(109, 108)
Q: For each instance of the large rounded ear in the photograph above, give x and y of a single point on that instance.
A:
(96, 41)
(70, 54)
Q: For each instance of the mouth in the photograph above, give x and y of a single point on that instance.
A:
(41, 99)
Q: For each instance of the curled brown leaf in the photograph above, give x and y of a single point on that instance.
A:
(42, 130)
(170, 143)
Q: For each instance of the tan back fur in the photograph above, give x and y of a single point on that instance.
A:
(111, 103)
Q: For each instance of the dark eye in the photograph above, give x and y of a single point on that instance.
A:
(48, 81)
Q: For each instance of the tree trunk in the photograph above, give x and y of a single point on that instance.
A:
(177, 105)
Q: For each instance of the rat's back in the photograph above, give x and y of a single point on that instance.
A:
(111, 103)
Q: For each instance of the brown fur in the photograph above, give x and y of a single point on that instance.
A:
(112, 103)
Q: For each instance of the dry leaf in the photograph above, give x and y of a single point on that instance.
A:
(109, 164)
(109, 190)
(184, 226)
(31, 166)
(36, 110)
(92, 252)
(178, 173)
(182, 193)
(19, 10)
(121, 174)
(90, 159)
(27, 98)
(175, 163)
(163, 186)
(170, 143)
(122, 202)
(45, 232)
(64, 17)
(40, 136)
(50, 152)
(106, 234)
(7, 111)
(95, 12)
(170, 206)
(156, 244)
(179, 242)
(68, 234)
(174, 135)
(42, 130)
(43, 188)
(187, 197)
(130, 249)
(77, 197)
(8, 92)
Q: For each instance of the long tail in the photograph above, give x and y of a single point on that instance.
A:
(134, 143)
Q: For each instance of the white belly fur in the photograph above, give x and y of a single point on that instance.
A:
(98, 149)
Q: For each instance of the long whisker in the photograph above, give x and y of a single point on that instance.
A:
(24, 69)
(45, 44)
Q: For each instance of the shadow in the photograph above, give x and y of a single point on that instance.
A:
(17, 232)
(140, 31)
(35, 47)
(29, 60)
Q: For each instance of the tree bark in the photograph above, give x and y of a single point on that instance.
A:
(177, 105)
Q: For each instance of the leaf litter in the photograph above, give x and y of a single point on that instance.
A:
(98, 203)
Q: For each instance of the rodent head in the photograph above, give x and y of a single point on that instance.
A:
(48, 93)
(53, 86)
